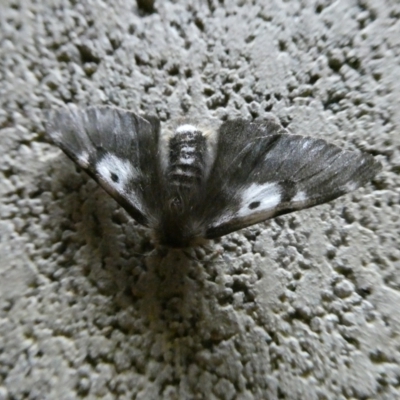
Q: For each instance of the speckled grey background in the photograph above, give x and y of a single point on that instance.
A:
(306, 306)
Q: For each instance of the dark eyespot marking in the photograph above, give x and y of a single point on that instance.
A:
(114, 177)
(254, 205)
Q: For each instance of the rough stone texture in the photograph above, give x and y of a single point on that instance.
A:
(306, 306)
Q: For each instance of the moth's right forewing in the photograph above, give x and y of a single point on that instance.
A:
(262, 171)
(116, 147)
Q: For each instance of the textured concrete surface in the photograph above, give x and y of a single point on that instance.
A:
(306, 306)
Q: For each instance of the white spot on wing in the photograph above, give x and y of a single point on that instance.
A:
(222, 219)
(186, 128)
(267, 194)
(122, 169)
(300, 196)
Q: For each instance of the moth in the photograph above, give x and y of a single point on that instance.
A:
(194, 180)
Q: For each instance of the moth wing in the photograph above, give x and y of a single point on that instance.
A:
(116, 147)
(261, 171)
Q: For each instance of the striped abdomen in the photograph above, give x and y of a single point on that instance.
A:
(186, 164)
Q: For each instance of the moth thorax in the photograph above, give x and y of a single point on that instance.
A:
(186, 157)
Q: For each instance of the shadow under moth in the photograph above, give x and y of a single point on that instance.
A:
(193, 180)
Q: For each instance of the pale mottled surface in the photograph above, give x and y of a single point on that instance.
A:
(304, 307)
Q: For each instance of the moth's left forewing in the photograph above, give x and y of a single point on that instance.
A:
(116, 147)
(262, 171)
